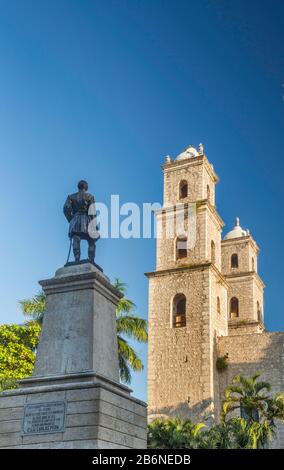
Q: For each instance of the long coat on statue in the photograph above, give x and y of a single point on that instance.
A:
(76, 211)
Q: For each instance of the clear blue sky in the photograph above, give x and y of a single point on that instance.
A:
(103, 90)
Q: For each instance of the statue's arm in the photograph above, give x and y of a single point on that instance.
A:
(67, 209)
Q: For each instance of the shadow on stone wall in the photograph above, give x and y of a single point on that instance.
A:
(201, 411)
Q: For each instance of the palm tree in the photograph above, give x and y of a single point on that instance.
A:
(275, 408)
(218, 437)
(252, 431)
(248, 395)
(174, 433)
(259, 410)
(34, 307)
(128, 325)
(237, 433)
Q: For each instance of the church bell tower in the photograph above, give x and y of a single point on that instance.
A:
(245, 292)
(187, 291)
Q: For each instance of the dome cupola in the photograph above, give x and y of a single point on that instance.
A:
(189, 152)
(237, 231)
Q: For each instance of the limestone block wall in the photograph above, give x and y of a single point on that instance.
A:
(263, 353)
(218, 326)
(258, 299)
(245, 248)
(197, 172)
(166, 246)
(248, 289)
(246, 328)
(183, 171)
(253, 257)
(207, 229)
(242, 288)
(96, 417)
(179, 358)
(208, 182)
(212, 227)
(218, 317)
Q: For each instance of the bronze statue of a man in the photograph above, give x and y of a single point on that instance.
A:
(77, 212)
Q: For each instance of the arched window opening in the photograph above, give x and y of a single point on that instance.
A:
(252, 264)
(181, 247)
(258, 311)
(234, 261)
(179, 311)
(208, 192)
(183, 189)
(234, 307)
(213, 252)
(218, 306)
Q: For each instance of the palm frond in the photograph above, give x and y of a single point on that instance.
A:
(197, 428)
(254, 377)
(124, 305)
(236, 389)
(129, 355)
(133, 327)
(262, 386)
(124, 370)
(34, 307)
(119, 285)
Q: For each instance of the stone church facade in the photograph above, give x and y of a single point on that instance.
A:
(205, 301)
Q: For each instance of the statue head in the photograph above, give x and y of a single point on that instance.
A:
(83, 185)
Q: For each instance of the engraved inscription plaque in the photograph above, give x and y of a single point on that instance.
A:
(42, 418)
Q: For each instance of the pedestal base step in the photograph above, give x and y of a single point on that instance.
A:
(77, 415)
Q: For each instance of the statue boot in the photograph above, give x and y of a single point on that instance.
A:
(76, 249)
(91, 251)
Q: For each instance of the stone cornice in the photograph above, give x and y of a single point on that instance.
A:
(221, 276)
(88, 280)
(244, 239)
(213, 210)
(201, 204)
(240, 323)
(245, 275)
(224, 278)
(189, 267)
(191, 161)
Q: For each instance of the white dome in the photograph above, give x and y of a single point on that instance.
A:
(236, 232)
(189, 152)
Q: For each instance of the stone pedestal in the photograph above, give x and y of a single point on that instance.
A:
(74, 398)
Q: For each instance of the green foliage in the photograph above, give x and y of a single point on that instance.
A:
(275, 408)
(7, 384)
(34, 307)
(218, 437)
(237, 433)
(222, 363)
(130, 326)
(174, 434)
(250, 395)
(233, 432)
(17, 352)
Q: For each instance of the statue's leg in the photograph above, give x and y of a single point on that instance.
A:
(76, 248)
(91, 250)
